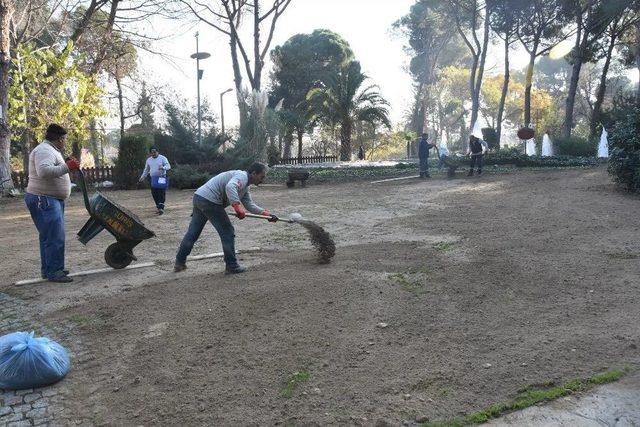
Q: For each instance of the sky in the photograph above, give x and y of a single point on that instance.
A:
(365, 24)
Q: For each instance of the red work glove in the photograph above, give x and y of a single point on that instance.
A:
(240, 212)
(72, 164)
(273, 217)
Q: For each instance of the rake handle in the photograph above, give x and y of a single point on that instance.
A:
(252, 215)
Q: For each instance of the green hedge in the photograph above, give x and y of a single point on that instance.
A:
(187, 176)
(575, 146)
(624, 155)
(132, 155)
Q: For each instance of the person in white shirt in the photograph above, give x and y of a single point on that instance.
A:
(156, 167)
(443, 152)
(49, 186)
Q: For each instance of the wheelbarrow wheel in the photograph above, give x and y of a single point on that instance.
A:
(117, 257)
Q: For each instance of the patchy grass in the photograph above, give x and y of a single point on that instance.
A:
(421, 270)
(80, 319)
(293, 383)
(446, 392)
(608, 376)
(407, 283)
(530, 396)
(287, 238)
(443, 246)
(623, 255)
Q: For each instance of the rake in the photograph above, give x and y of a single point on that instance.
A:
(320, 239)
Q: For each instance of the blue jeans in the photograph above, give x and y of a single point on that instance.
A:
(203, 211)
(48, 216)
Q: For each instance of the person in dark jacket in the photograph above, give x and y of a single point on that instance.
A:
(477, 148)
(423, 154)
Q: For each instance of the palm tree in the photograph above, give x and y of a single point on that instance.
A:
(341, 101)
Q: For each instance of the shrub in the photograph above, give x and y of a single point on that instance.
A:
(273, 155)
(575, 146)
(185, 151)
(513, 157)
(188, 176)
(132, 155)
(624, 156)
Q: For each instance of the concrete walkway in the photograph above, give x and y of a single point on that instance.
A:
(615, 404)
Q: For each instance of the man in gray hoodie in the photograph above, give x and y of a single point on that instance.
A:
(49, 186)
(209, 203)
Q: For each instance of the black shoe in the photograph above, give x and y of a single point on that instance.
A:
(177, 268)
(479, 172)
(470, 173)
(65, 272)
(160, 211)
(235, 270)
(61, 279)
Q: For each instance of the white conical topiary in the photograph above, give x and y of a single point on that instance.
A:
(603, 147)
(547, 147)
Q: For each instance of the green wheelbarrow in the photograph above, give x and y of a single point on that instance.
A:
(117, 220)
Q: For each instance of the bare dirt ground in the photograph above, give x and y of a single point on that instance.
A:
(487, 285)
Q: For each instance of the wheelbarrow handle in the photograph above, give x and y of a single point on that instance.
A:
(267, 217)
(83, 187)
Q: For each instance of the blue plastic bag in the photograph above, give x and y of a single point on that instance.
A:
(160, 182)
(28, 362)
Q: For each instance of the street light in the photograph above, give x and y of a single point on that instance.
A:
(224, 138)
(198, 56)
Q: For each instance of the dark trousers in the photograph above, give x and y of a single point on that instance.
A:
(476, 161)
(159, 195)
(424, 166)
(203, 211)
(48, 216)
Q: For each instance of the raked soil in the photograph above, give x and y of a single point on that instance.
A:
(444, 296)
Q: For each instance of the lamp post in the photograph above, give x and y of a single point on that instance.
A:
(198, 56)
(224, 138)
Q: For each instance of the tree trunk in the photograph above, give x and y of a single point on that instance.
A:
(300, 133)
(425, 109)
(6, 13)
(237, 79)
(257, 66)
(345, 140)
(93, 139)
(472, 89)
(638, 61)
(120, 106)
(480, 73)
(505, 89)
(527, 88)
(288, 141)
(26, 148)
(602, 88)
(581, 45)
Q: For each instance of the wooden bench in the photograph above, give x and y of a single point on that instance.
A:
(297, 175)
